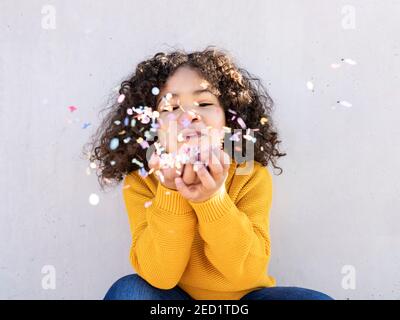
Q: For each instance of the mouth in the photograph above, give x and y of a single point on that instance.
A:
(193, 135)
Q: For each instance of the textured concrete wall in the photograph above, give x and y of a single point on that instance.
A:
(334, 220)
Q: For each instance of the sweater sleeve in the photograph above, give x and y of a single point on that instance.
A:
(237, 240)
(162, 227)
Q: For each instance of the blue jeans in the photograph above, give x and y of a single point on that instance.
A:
(133, 287)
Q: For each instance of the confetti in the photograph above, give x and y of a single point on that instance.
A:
(185, 122)
(167, 193)
(94, 199)
(93, 165)
(126, 121)
(114, 143)
(112, 162)
(155, 91)
(180, 137)
(121, 98)
(129, 111)
(147, 204)
(127, 139)
(143, 173)
(250, 138)
(263, 120)
(85, 125)
(117, 122)
(241, 123)
(310, 85)
(235, 137)
(232, 111)
(350, 61)
(345, 103)
(335, 65)
(133, 122)
(160, 176)
(72, 108)
(136, 161)
(144, 144)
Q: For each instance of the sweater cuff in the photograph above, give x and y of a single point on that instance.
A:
(171, 200)
(214, 208)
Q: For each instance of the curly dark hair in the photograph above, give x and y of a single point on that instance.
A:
(237, 89)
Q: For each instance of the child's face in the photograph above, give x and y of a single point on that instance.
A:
(189, 113)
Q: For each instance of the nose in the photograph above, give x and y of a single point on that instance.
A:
(188, 116)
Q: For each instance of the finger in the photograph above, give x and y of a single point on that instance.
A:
(205, 177)
(216, 168)
(184, 189)
(189, 176)
(224, 159)
(171, 173)
(154, 161)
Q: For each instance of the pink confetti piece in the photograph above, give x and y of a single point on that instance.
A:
(241, 123)
(72, 108)
(147, 204)
(232, 111)
(144, 144)
(335, 65)
(121, 98)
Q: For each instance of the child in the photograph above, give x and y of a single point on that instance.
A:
(198, 212)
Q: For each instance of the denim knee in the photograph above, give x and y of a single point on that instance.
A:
(128, 288)
(134, 287)
(286, 293)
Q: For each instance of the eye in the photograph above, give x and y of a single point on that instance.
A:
(205, 104)
(172, 109)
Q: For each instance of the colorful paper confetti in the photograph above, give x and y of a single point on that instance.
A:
(345, 103)
(114, 143)
(94, 199)
(121, 98)
(85, 125)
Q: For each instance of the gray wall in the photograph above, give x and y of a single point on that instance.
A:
(334, 220)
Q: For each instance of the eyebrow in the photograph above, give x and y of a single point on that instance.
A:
(196, 93)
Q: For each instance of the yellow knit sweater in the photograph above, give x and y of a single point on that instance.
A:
(218, 249)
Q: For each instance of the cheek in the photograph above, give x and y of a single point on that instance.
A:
(216, 118)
